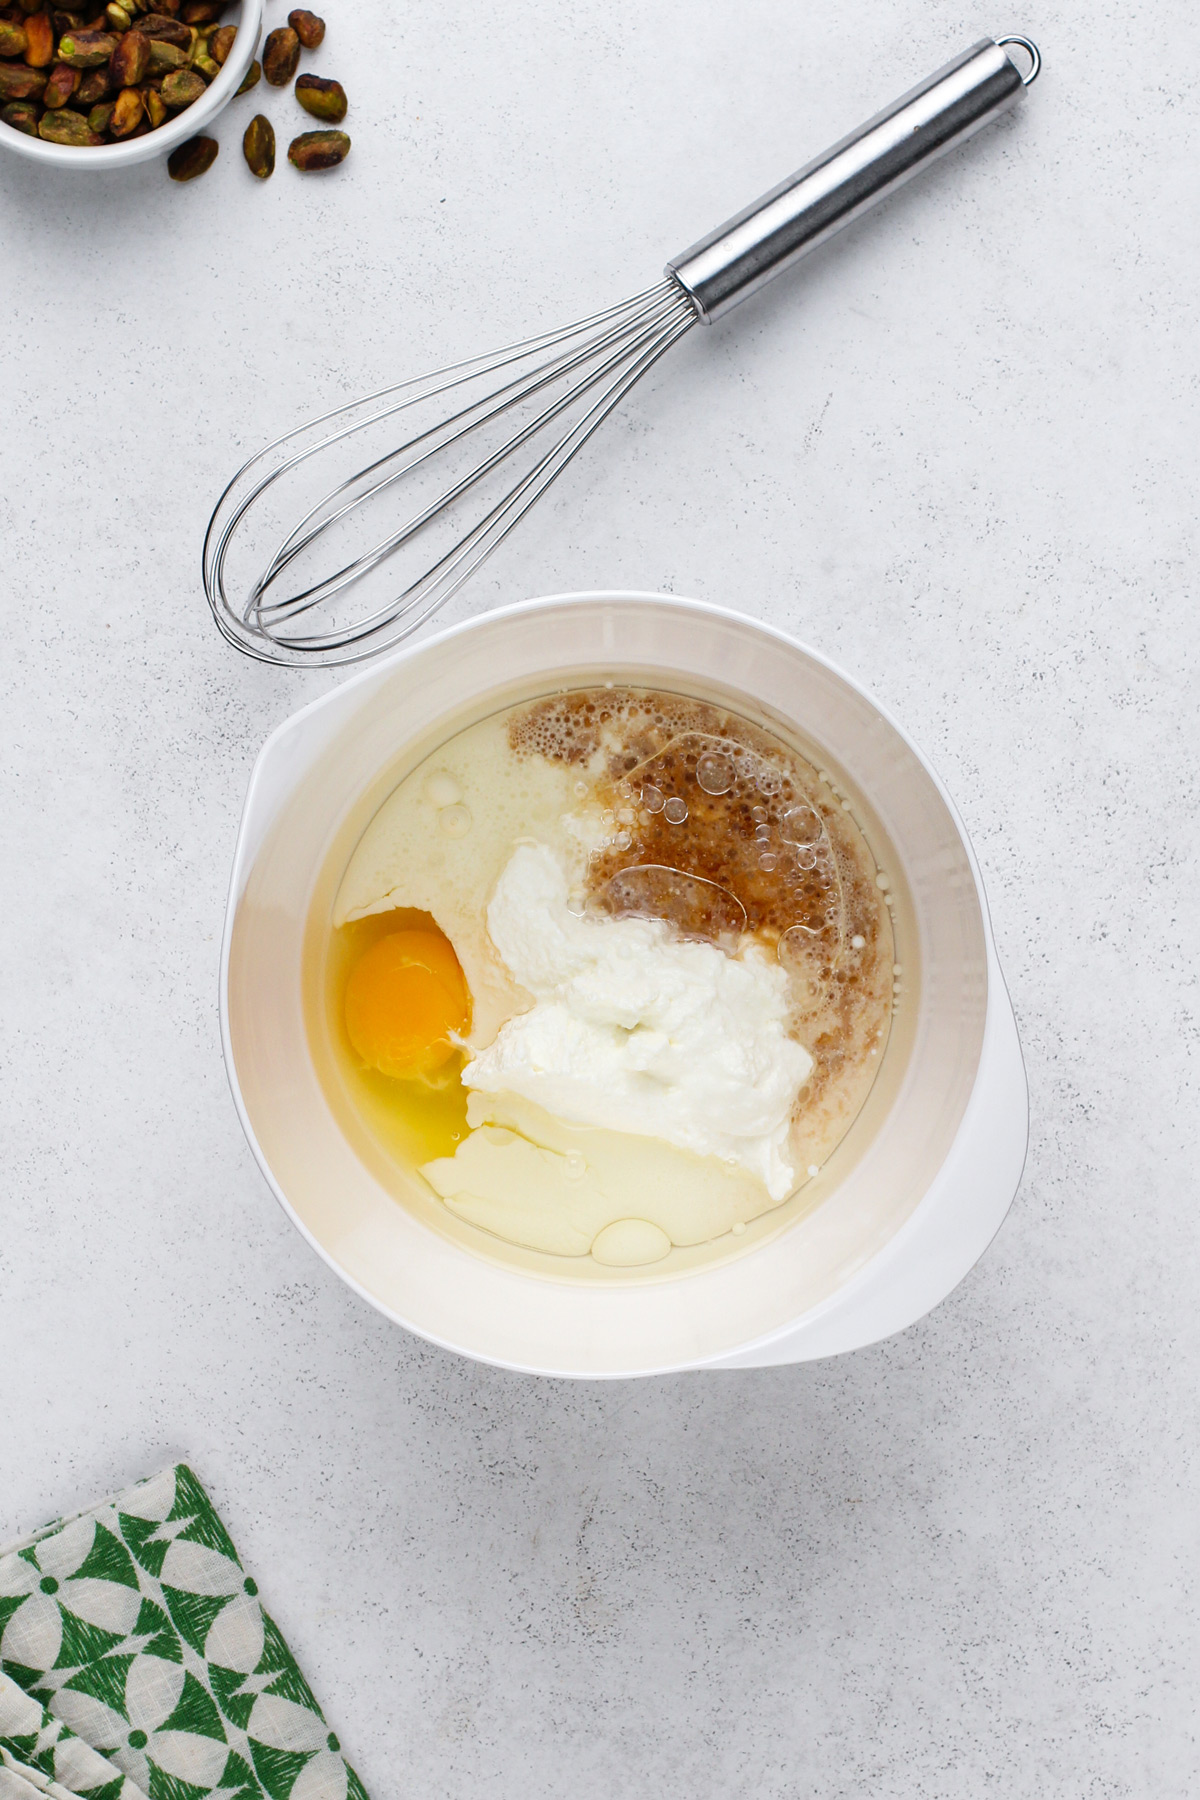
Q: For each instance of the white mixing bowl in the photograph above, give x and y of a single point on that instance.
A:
(898, 1214)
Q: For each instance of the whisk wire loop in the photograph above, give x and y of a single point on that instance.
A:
(370, 559)
(427, 594)
(581, 370)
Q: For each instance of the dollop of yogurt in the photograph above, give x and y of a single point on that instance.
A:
(637, 1030)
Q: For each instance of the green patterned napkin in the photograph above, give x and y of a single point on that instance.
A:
(33, 1739)
(140, 1664)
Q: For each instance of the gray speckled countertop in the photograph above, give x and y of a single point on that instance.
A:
(957, 454)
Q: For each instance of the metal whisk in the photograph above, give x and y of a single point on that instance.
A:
(527, 410)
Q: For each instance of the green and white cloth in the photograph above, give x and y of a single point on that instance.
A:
(137, 1663)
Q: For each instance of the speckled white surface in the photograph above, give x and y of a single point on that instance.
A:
(958, 453)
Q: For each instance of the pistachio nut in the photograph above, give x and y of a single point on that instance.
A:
(13, 39)
(164, 57)
(17, 82)
(130, 61)
(60, 87)
(221, 43)
(251, 78)
(117, 18)
(99, 116)
(258, 147)
(314, 150)
(308, 28)
(126, 114)
(156, 112)
(39, 41)
(201, 12)
(94, 86)
(86, 49)
(66, 127)
(207, 67)
(168, 29)
(281, 55)
(323, 99)
(22, 115)
(182, 87)
(196, 157)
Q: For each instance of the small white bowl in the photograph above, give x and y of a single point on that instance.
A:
(248, 18)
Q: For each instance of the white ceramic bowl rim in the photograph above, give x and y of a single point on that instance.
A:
(962, 1226)
(184, 125)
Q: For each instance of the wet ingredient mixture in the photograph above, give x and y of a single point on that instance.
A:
(613, 970)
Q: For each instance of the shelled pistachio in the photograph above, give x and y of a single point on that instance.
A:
(325, 100)
(280, 56)
(194, 158)
(258, 147)
(308, 28)
(315, 150)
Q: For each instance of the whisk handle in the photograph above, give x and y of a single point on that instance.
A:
(767, 237)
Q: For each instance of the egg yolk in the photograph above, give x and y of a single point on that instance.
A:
(405, 996)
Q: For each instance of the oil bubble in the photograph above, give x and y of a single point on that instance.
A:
(801, 825)
(768, 861)
(441, 789)
(714, 773)
(454, 821)
(675, 811)
(652, 800)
